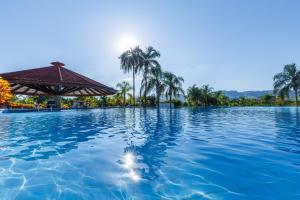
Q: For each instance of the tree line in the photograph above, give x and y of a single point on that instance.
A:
(137, 60)
(157, 83)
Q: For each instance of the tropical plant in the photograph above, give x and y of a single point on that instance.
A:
(149, 61)
(267, 99)
(124, 89)
(92, 102)
(287, 80)
(206, 92)
(173, 85)
(118, 99)
(193, 95)
(103, 101)
(131, 60)
(40, 99)
(205, 96)
(154, 83)
(5, 91)
(219, 98)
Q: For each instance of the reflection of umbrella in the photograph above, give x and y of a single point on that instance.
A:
(55, 80)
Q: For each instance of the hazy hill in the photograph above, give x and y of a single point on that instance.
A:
(233, 94)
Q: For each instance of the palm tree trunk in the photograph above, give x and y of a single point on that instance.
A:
(133, 86)
(170, 99)
(157, 95)
(124, 100)
(140, 97)
(296, 94)
(145, 99)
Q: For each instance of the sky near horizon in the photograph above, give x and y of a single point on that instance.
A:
(229, 44)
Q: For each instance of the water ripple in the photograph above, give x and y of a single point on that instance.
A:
(188, 153)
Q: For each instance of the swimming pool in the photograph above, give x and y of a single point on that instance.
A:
(184, 153)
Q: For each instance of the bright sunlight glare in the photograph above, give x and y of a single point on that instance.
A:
(129, 162)
(127, 43)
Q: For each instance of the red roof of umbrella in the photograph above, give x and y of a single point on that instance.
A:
(55, 80)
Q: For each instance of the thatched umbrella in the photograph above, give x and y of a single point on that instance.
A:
(55, 80)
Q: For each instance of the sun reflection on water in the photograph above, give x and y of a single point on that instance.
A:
(129, 164)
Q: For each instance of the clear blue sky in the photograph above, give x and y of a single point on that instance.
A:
(232, 44)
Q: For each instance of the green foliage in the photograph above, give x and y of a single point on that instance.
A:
(172, 85)
(132, 61)
(205, 96)
(176, 103)
(124, 89)
(92, 102)
(287, 80)
(154, 83)
(67, 102)
(26, 100)
(149, 62)
(268, 99)
(103, 101)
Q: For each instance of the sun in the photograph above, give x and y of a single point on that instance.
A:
(127, 43)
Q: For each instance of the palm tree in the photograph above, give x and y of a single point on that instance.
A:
(148, 61)
(103, 101)
(220, 98)
(206, 91)
(131, 60)
(193, 95)
(154, 82)
(287, 80)
(124, 89)
(118, 98)
(173, 85)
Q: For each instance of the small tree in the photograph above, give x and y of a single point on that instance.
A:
(124, 90)
(287, 80)
(5, 91)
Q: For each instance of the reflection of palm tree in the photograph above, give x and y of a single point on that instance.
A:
(161, 134)
(287, 123)
(131, 60)
(173, 85)
(287, 80)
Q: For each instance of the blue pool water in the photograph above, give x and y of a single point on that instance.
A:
(222, 153)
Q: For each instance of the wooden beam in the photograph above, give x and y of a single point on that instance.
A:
(28, 88)
(41, 88)
(16, 88)
(72, 90)
(102, 92)
(87, 91)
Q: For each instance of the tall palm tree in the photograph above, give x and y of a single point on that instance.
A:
(154, 82)
(173, 85)
(131, 60)
(149, 60)
(287, 80)
(124, 89)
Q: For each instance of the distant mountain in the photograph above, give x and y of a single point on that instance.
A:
(233, 94)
